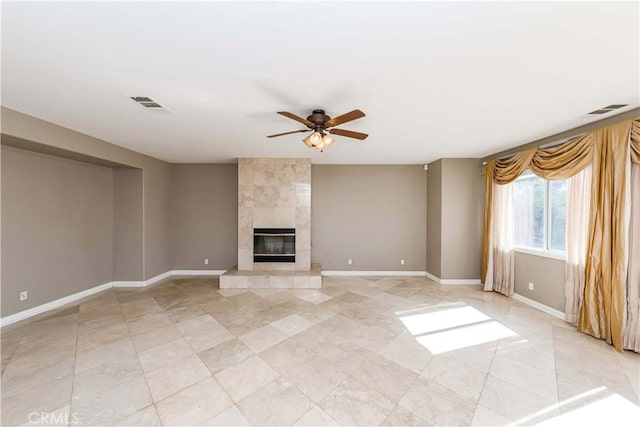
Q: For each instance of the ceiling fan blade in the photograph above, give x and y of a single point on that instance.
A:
(352, 115)
(296, 118)
(288, 133)
(349, 133)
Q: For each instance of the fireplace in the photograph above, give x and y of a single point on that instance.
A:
(274, 245)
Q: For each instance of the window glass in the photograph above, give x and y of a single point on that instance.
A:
(529, 212)
(557, 214)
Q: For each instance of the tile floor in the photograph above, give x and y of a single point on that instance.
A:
(362, 351)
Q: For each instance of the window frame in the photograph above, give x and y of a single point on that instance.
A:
(546, 250)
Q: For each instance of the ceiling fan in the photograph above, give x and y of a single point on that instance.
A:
(320, 124)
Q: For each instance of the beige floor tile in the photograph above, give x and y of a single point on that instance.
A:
(278, 403)
(287, 354)
(155, 337)
(105, 353)
(316, 378)
(113, 404)
(291, 325)
(387, 378)
(262, 338)
(46, 398)
(316, 417)
(245, 378)
(354, 404)
(438, 405)
(165, 354)
(24, 361)
(105, 376)
(195, 405)
(98, 337)
(320, 341)
(403, 417)
(148, 322)
(407, 352)
(486, 417)
(169, 379)
(230, 417)
(204, 332)
(16, 381)
(514, 402)
(143, 418)
(224, 355)
(140, 307)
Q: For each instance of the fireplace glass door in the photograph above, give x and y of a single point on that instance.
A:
(274, 245)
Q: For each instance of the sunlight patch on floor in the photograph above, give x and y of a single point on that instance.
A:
(451, 327)
(609, 409)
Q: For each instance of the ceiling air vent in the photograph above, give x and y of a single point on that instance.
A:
(608, 109)
(146, 102)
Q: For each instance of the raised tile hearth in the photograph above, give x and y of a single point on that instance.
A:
(272, 279)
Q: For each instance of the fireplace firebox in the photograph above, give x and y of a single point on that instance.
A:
(274, 245)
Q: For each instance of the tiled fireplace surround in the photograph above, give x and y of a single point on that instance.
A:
(273, 193)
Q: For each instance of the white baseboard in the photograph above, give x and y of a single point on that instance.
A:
(198, 272)
(535, 304)
(34, 311)
(452, 281)
(372, 273)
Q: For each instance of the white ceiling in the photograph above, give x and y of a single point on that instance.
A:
(435, 79)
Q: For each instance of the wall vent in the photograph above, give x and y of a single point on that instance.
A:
(608, 109)
(146, 102)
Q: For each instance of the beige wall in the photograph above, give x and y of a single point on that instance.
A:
(156, 178)
(462, 209)
(204, 216)
(372, 214)
(454, 218)
(57, 227)
(547, 275)
(128, 251)
(434, 218)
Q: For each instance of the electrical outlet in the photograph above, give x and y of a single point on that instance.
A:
(402, 262)
(206, 260)
(530, 286)
(24, 295)
(349, 261)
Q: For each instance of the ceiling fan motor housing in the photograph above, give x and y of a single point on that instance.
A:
(318, 117)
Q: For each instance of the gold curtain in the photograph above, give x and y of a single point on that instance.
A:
(564, 160)
(608, 150)
(635, 141)
(558, 162)
(602, 311)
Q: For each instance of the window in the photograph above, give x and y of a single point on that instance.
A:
(540, 212)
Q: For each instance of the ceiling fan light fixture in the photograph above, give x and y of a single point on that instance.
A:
(327, 140)
(315, 138)
(308, 142)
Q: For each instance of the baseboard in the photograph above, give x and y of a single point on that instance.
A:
(452, 281)
(535, 304)
(198, 272)
(52, 305)
(372, 273)
(34, 311)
